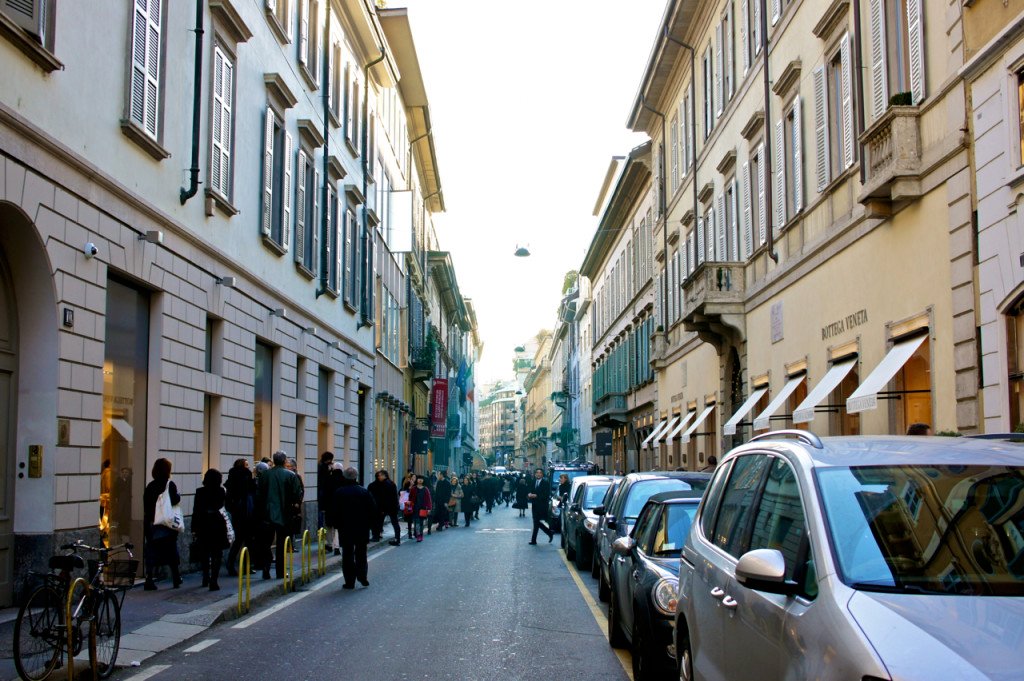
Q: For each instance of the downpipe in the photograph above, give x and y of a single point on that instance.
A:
(193, 186)
(366, 264)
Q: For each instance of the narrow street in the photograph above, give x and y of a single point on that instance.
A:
(464, 604)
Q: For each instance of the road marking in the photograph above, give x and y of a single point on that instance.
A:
(201, 646)
(624, 658)
(149, 673)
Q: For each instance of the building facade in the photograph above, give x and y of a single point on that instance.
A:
(537, 446)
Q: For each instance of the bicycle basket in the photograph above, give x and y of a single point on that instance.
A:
(117, 574)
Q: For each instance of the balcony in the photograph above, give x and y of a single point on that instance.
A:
(611, 409)
(424, 359)
(892, 160)
(713, 302)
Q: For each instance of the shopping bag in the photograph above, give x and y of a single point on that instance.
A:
(228, 526)
(168, 514)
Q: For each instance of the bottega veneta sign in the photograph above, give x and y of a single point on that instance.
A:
(850, 321)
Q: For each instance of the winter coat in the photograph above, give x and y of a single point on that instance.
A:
(207, 521)
(353, 512)
(324, 488)
(522, 490)
(240, 495)
(442, 492)
(421, 499)
(458, 494)
(385, 495)
(153, 490)
(280, 495)
(469, 490)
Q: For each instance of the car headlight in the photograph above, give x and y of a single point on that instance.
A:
(666, 593)
(590, 524)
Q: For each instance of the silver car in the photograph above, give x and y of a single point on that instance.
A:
(856, 558)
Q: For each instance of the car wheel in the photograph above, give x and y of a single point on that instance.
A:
(616, 639)
(684, 654)
(583, 556)
(644, 668)
(604, 590)
(595, 564)
(570, 550)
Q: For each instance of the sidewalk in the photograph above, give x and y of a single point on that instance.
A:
(153, 621)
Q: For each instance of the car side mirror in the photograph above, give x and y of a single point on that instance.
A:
(623, 545)
(599, 510)
(764, 570)
(609, 522)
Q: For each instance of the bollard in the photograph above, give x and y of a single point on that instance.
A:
(289, 564)
(321, 551)
(243, 571)
(306, 558)
(69, 624)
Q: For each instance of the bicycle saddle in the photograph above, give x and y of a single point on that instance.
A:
(66, 563)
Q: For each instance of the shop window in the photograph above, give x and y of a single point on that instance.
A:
(761, 405)
(211, 431)
(914, 384)
(1015, 357)
(794, 400)
(1020, 104)
(263, 402)
(842, 422)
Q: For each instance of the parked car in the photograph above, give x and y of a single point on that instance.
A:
(579, 521)
(644, 582)
(856, 558)
(619, 515)
(555, 503)
(595, 565)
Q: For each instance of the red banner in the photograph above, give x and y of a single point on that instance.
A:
(439, 408)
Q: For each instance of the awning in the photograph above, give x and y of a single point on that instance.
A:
(693, 426)
(654, 433)
(661, 436)
(865, 397)
(763, 420)
(123, 429)
(681, 425)
(805, 412)
(730, 426)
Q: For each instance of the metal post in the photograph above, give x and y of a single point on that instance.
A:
(243, 571)
(69, 625)
(289, 564)
(306, 558)
(321, 551)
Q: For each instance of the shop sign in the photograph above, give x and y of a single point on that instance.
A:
(850, 321)
(439, 407)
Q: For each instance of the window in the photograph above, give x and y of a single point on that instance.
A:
(734, 248)
(146, 79)
(309, 48)
(352, 108)
(914, 380)
(833, 111)
(674, 146)
(221, 123)
(789, 165)
(897, 51)
(281, 18)
(263, 407)
(727, 48)
(351, 257)
(277, 182)
(307, 211)
(1015, 361)
(794, 400)
(737, 501)
(1020, 104)
(709, 120)
(750, 28)
(779, 523)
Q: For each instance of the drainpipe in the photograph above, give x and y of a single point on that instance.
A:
(365, 266)
(693, 123)
(325, 241)
(661, 208)
(768, 208)
(197, 93)
(858, 83)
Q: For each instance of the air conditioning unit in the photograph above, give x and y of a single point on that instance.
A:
(28, 14)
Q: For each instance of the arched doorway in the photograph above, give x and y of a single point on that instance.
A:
(734, 394)
(8, 419)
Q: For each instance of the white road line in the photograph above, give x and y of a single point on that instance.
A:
(148, 673)
(324, 582)
(201, 646)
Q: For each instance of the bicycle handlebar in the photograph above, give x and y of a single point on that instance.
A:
(82, 546)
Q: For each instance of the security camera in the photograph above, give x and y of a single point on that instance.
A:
(90, 250)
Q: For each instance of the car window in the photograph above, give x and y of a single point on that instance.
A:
(737, 500)
(594, 494)
(619, 495)
(642, 530)
(637, 495)
(609, 495)
(709, 509)
(671, 529)
(578, 496)
(779, 523)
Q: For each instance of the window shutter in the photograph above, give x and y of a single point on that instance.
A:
(290, 25)
(676, 261)
(692, 246)
(879, 73)
(217, 123)
(348, 101)
(847, 103)
(745, 34)
(268, 172)
(674, 135)
(821, 128)
(710, 226)
(271, 5)
(303, 31)
(318, 50)
(348, 254)
(331, 94)
(776, 11)
(734, 231)
(300, 209)
(746, 226)
(657, 298)
(755, 28)
(690, 123)
(720, 229)
(286, 200)
(340, 223)
(700, 240)
(685, 249)
(915, 38)
(145, 89)
(762, 185)
(719, 70)
(798, 154)
(313, 221)
(728, 36)
(684, 139)
(780, 176)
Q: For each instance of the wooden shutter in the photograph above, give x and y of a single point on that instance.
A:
(821, 128)
(339, 224)
(776, 11)
(290, 19)
(220, 152)
(745, 222)
(719, 68)
(300, 209)
(728, 36)
(711, 237)
(780, 175)
(348, 102)
(303, 31)
(313, 221)
(915, 38)
(286, 200)
(331, 94)
(721, 229)
(700, 240)
(879, 72)
(762, 187)
(684, 139)
(271, 5)
(734, 231)
(674, 137)
(268, 173)
(847, 103)
(798, 154)
(745, 34)
(693, 252)
(755, 28)
(691, 122)
(144, 97)
(349, 255)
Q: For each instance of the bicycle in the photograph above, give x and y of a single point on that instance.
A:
(41, 634)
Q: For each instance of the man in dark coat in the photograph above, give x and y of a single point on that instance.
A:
(353, 513)
(540, 495)
(385, 495)
(442, 495)
(280, 498)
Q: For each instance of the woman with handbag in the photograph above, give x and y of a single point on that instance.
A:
(209, 527)
(405, 502)
(455, 503)
(160, 545)
(421, 506)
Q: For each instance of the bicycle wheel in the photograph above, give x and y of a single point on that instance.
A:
(38, 634)
(106, 628)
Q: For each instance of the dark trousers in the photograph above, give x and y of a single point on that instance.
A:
(490, 503)
(210, 558)
(353, 560)
(468, 515)
(378, 529)
(279, 533)
(538, 524)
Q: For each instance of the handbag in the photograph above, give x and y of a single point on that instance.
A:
(424, 513)
(229, 528)
(167, 514)
(452, 502)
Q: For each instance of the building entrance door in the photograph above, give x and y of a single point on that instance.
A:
(8, 417)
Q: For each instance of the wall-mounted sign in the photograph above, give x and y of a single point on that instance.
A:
(439, 407)
(776, 322)
(850, 321)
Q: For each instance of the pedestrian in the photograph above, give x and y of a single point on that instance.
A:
(455, 503)
(280, 495)
(240, 495)
(539, 496)
(160, 542)
(295, 526)
(470, 499)
(334, 481)
(323, 489)
(421, 506)
(209, 528)
(487, 491)
(385, 495)
(354, 513)
(477, 480)
(712, 464)
(564, 486)
(405, 501)
(506, 489)
(442, 495)
(522, 497)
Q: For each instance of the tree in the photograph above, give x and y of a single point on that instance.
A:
(570, 280)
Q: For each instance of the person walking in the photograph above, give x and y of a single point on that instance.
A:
(240, 494)
(280, 497)
(522, 497)
(385, 495)
(160, 543)
(421, 506)
(208, 527)
(470, 499)
(405, 501)
(442, 495)
(455, 503)
(354, 514)
(540, 495)
(506, 490)
(323, 489)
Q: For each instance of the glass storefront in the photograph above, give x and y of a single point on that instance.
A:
(263, 402)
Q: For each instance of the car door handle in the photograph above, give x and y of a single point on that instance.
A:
(636, 576)
(729, 602)
(717, 592)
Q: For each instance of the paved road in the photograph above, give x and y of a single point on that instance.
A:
(465, 604)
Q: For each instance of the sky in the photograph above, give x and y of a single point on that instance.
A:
(528, 102)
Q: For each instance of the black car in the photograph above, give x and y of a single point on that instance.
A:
(644, 582)
(579, 521)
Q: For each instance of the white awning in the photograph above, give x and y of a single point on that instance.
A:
(699, 420)
(805, 412)
(123, 429)
(661, 436)
(654, 433)
(865, 397)
(681, 425)
(730, 426)
(763, 420)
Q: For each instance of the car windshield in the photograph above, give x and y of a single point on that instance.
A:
(556, 474)
(641, 491)
(927, 528)
(672, 530)
(594, 495)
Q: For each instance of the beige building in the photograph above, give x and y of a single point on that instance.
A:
(815, 244)
(536, 447)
